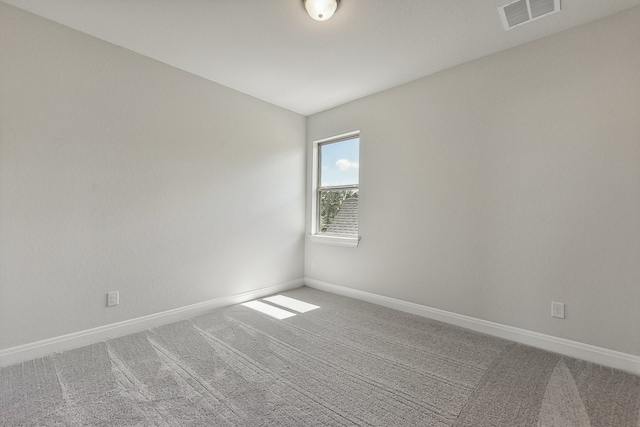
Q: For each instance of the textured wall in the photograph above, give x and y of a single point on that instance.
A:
(496, 187)
(118, 172)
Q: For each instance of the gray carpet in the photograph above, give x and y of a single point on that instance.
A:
(346, 363)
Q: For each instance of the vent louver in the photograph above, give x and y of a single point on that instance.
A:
(522, 11)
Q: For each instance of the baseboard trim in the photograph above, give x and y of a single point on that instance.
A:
(49, 346)
(599, 355)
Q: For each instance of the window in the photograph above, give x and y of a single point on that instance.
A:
(336, 190)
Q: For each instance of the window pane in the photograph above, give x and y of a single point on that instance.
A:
(339, 212)
(340, 163)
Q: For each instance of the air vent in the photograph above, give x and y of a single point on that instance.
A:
(522, 11)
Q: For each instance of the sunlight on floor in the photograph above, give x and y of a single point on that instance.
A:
(282, 301)
(291, 303)
(276, 312)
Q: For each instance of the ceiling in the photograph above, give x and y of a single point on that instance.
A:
(272, 50)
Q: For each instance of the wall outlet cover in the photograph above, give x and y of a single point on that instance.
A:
(113, 298)
(557, 310)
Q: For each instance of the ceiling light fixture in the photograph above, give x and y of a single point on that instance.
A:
(321, 10)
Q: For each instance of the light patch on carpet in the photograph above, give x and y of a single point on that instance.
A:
(270, 310)
(562, 388)
(291, 303)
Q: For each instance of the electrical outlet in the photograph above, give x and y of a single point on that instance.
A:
(313, 264)
(113, 298)
(557, 310)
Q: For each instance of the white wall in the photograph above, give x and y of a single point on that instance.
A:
(118, 172)
(496, 187)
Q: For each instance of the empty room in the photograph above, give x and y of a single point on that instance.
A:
(320, 213)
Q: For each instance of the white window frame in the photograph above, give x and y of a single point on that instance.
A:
(316, 236)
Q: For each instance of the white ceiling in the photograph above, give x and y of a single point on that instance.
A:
(273, 50)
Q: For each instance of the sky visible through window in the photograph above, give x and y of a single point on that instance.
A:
(340, 163)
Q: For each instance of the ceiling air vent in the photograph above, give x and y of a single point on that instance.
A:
(522, 11)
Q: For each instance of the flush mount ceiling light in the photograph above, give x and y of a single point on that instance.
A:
(321, 10)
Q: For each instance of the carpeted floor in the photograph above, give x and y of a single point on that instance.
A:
(345, 363)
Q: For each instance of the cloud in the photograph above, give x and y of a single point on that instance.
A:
(344, 164)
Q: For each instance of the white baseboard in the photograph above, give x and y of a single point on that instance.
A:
(49, 346)
(599, 355)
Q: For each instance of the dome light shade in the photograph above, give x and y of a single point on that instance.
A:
(321, 10)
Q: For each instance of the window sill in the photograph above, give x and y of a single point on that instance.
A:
(335, 240)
